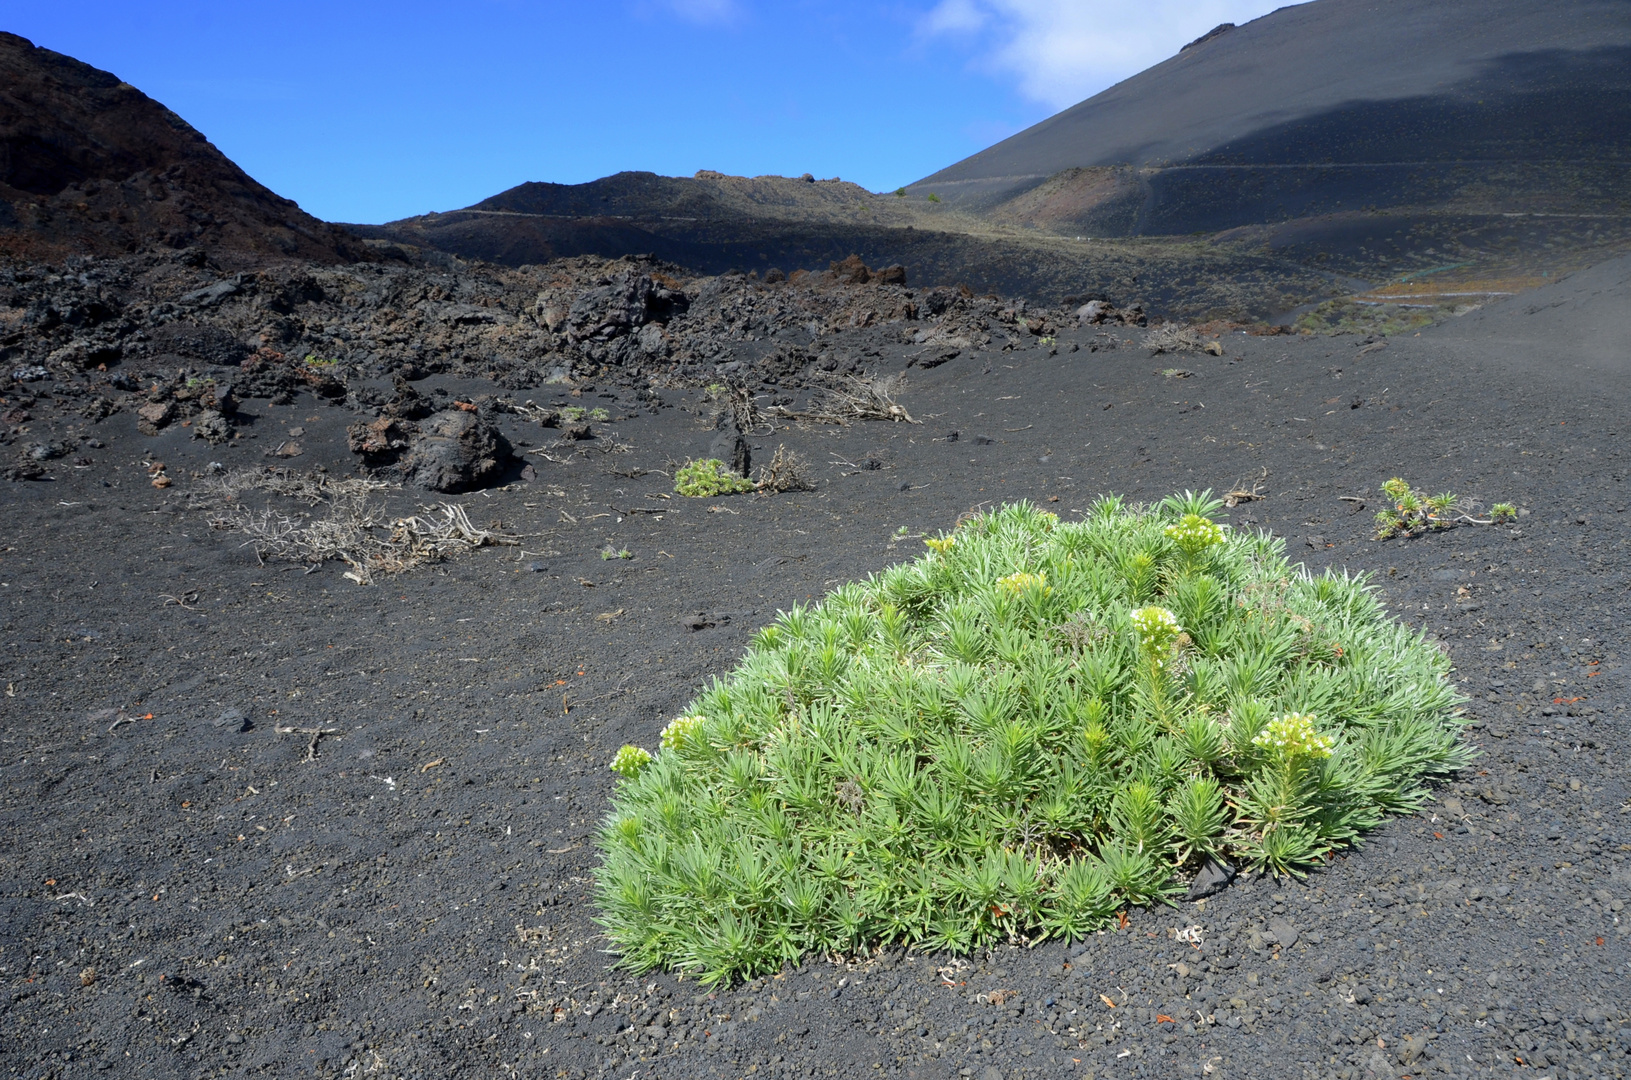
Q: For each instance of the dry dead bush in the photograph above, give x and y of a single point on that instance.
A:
(786, 472)
(1176, 338)
(356, 529)
(739, 400)
(860, 398)
(313, 487)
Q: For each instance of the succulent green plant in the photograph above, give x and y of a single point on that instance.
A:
(707, 477)
(1023, 731)
(1415, 511)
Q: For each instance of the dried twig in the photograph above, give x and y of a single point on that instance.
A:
(861, 399)
(1173, 338)
(744, 409)
(358, 533)
(1241, 495)
(314, 487)
(786, 472)
(315, 733)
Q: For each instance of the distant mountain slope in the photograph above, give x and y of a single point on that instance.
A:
(90, 164)
(1330, 108)
(1579, 325)
(712, 223)
(709, 221)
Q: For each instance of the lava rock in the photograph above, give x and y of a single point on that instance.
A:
(380, 442)
(212, 427)
(1284, 932)
(730, 445)
(1214, 877)
(154, 417)
(456, 451)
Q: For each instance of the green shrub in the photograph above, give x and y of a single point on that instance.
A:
(1014, 737)
(707, 477)
(1416, 511)
(933, 197)
(599, 414)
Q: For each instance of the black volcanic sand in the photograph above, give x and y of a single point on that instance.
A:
(186, 896)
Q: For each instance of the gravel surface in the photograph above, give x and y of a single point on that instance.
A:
(193, 883)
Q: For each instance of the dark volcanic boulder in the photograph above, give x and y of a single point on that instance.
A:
(613, 307)
(851, 271)
(456, 451)
(730, 445)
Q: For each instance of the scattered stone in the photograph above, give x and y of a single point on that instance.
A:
(154, 417)
(1213, 878)
(380, 442)
(1284, 932)
(212, 427)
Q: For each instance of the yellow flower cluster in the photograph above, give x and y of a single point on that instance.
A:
(630, 762)
(1020, 583)
(1157, 629)
(942, 545)
(1293, 736)
(680, 731)
(1194, 533)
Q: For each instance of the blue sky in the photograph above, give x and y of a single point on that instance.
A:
(368, 111)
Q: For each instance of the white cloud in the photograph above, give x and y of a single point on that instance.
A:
(1061, 51)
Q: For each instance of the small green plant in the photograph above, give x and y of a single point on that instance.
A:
(1415, 511)
(599, 415)
(609, 552)
(716, 391)
(900, 193)
(316, 362)
(1049, 340)
(1015, 736)
(573, 413)
(706, 477)
(933, 197)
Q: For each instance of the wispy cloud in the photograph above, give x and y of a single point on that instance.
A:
(1061, 51)
(705, 11)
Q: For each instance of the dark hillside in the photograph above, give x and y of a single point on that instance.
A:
(91, 165)
(1396, 89)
